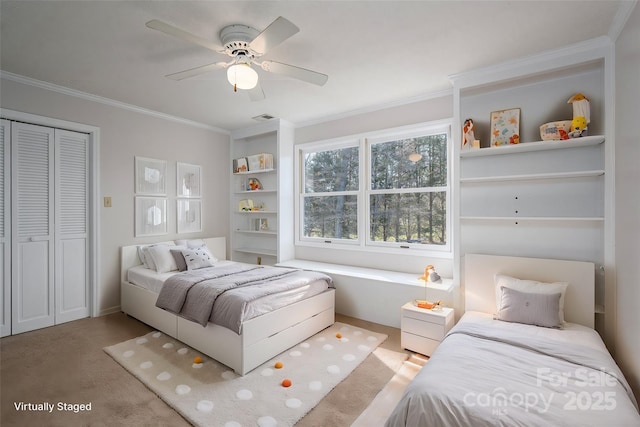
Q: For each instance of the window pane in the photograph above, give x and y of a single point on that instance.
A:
(331, 217)
(409, 217)
(334, 170)
(391, 167)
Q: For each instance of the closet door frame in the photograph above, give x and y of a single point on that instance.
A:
(5, 242)
(94, 189)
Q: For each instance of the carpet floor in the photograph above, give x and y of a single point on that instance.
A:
(66, 366)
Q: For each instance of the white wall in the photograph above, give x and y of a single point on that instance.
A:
(627, 205)
(123, 135)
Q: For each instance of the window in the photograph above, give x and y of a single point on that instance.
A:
(384, 190)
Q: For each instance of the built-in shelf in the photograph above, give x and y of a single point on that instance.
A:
(529, 218)
(266, 233)
(535, 146)
(256, 191)
(256, 212)
(536, 176)
(266, 252)
(254, 172)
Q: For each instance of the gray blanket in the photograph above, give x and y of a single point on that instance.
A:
(193, 294)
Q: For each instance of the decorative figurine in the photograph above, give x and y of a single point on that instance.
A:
(468, 136)
(581, 115)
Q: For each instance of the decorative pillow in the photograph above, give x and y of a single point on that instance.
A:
(142, 257)
(179, 259)
(162, 258)
(190, 244)
(198, 258)
(147, 260)
(531, 286)
(539, 309)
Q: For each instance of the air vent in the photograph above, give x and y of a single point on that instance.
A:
(263, 117)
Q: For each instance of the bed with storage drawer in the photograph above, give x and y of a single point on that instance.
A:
(281, 315)
(524, 353)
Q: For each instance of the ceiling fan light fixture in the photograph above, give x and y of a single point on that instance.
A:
(242, 76)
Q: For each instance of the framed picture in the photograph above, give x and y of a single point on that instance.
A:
(189, 180)
(150, 176)
(189, 215)
(151, 216)
(505, 127)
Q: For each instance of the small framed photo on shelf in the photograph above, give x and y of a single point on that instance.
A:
(254, 184)
(260, 224)
(240, 165)
(189, 180)
(505, 127)
(150, 176)
(151, 216)
(189, 215)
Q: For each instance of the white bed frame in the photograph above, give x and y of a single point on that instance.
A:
(262, 337)
(479, 271)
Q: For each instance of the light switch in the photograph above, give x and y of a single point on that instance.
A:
(107, 202)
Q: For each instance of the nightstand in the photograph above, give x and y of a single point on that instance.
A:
(422, 329)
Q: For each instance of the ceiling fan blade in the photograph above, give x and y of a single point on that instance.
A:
(198, 70)
(277, 32)
(163, 27)
(295, 72)
(256, 94)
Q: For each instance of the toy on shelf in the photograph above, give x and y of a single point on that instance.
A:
(581, 115)
(468, 134)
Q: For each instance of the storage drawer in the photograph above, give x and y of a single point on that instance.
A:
(426, 316)
(422, 328)
(418, 344)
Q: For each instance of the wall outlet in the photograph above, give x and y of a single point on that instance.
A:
(107, 202)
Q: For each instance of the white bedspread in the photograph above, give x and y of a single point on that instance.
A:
(492, 373)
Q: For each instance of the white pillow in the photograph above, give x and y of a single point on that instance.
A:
(142, 257)
(162, 258)
(530, 286)
(148, 261)
(198, 258)
(531, 308)
(190, 244)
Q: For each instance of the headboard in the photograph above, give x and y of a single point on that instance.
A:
(479, 271)
(129, 254)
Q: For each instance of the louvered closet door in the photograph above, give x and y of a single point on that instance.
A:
(72, 245)
(32, 176)
(5, 232)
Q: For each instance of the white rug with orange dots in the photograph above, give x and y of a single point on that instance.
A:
(278, 393)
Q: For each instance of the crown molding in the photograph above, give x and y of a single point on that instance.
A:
(624, 12)
(106, 101)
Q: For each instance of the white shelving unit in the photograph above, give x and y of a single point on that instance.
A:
(249, 243)
(544, 199)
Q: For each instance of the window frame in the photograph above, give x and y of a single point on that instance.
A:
(364, 142)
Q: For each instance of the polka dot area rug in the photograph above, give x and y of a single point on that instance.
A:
(277, 393)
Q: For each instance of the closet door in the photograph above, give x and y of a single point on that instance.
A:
(71, 237)
(32, 227)
(5, 231)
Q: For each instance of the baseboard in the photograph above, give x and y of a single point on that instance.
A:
(110, 310)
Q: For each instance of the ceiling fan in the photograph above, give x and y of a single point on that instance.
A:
(245, 45)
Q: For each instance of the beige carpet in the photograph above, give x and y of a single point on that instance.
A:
(277, 393)
(67, 363)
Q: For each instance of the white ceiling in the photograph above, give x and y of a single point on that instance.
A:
(375, 52)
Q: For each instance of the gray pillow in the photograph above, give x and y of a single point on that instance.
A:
(529, 308)
(179, 258)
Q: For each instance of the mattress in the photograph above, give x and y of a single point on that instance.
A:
(487, 372)
(153, 281)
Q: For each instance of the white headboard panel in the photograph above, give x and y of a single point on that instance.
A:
(479, 271)
(129, 254)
